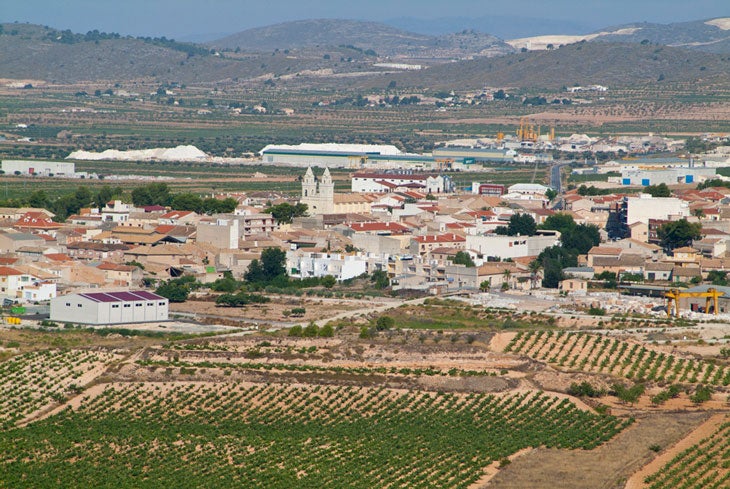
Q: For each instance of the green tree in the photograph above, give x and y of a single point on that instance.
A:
(284, 213)
(328, 281)
(296, 331)
(187, 202)
(384, 322)
(660, 190)
(380, 279)
(522, 225)
(311, 331)
(463, 258)
(270, 267)
(152, 194)
(39, 199)
(551, 194)
(676, 234)
(174, 291)
(326, 331)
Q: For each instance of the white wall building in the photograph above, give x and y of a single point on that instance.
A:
(390, 182)
(116, 211)
(342, 267)
(645, 207)
(107, 308)
(37, 167)
(510, 246)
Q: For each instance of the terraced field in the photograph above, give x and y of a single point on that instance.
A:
(598, 354)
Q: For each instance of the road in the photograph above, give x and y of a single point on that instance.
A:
(555, 177)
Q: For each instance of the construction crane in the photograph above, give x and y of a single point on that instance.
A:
(711, 299)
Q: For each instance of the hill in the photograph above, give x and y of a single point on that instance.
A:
(370, 37)
(582, 63)
(704, 35)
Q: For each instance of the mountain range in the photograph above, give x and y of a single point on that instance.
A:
(345, 51)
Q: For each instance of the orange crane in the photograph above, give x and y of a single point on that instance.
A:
(711, 299)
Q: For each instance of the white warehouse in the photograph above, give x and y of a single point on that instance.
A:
(38, 167)
(107, 308)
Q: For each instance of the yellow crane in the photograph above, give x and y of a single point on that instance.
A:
(711, 299)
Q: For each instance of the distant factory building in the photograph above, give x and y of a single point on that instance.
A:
(108, 308)
(668, 176)
(401, 181)
(37, 167)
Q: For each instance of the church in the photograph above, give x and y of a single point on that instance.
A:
(321, 198)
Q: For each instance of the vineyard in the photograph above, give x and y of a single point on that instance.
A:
(705, 465)
(597, 354)
(271, 435)
(33, 381)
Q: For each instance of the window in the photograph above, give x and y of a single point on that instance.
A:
(68, 304)
(127, 305)
(150, 303)
(160, 303)
(115, 306)
(79, 305)
(139, 304)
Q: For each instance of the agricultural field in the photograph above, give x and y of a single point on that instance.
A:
(34, 381)
(603, 355)
(703, 465)
(289, 436)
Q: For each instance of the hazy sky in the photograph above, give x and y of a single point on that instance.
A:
(183, 18)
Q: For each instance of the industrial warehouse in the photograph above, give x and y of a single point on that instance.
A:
(107, 308)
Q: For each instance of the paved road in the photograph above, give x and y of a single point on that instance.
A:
(555, 177)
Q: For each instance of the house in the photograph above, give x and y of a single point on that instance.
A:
(11, 241)
(178, 217)
(121, 275)
(424, 244)
(108, 308)
(661, 271)
(13, 283)
(573, 286)
(116, 211)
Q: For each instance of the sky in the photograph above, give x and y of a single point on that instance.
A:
(187, 19)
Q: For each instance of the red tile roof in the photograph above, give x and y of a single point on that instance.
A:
(7, 271)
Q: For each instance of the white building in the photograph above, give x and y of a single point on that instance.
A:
(527, 189)
(511, 246)
(391, 182)
(107, 308)
(36, 167)
(340, 266)
(13, 283)
(645, 207)
(116, 211)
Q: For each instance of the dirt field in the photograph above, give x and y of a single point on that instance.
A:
(606, 467)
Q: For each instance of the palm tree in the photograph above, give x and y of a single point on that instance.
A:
(534, 267)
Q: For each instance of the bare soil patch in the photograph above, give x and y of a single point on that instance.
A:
(607, 466)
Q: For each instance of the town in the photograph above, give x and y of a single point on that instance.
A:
(334, 253)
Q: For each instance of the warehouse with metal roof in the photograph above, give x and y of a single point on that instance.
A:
(109, 308)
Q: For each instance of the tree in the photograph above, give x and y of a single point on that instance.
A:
(187, 202)
(676, 234)
(311, 330)
(519, 224)
(660, 190)
(326, 331)
(173, 291)
(152, 194)
(463, 258)
(485, 285)
(328, 281)
(553, 260)
(380, 279)
(384, 322)
(39, 199)
(270, 267)
(284, 213)
(551, 194)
